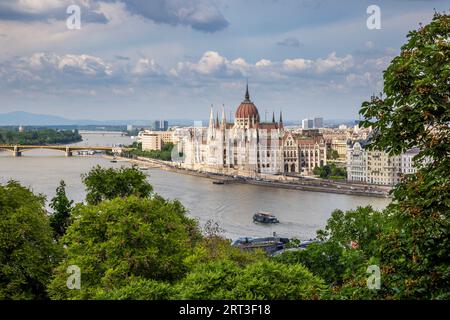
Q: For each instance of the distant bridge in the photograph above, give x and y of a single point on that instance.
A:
(68, 150)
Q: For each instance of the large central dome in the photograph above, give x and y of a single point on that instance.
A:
(247, 109)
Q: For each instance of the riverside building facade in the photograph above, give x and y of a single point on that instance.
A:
(249, 147)
(377, 167)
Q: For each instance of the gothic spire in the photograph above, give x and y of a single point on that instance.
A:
(247, 95)
(211, 117)
(224, 120)
(273, 117)
(281, 120)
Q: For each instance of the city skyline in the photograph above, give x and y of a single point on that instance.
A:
(156, 60)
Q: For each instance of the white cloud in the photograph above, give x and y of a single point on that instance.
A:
(42, 69)
(84, 64)
(263, 63)
(297, 65)
(146, 67)
(330, 64)
(211, 63)
(88, 72)
(334, 64)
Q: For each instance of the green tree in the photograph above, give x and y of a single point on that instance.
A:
(164, 154)
(330, 171)
(415, 112)
(409, 240)
(27, 250)
(106, 184)
(323, 259)
(415, 109)
(332, 154)
(123, 239)
(41, 136)
(264, 279)
(139, 289)
(62, 207)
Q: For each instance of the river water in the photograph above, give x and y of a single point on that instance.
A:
(301, 213)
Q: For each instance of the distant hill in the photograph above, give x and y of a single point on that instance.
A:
(31, 119)
(25, 118)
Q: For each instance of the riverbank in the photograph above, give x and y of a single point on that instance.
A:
(39, 137)
(285, 182)
(232, 205)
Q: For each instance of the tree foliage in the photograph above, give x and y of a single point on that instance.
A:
(123, 238)
(62, 206)
(265, 279)
(415, 112)
(330, 171)
(409, 240)
(164, 154)
(27, 250)
(138, 288)
(42, 136)
(107, 184)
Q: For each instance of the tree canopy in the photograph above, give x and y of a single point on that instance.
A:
(42, 136)
(122, 238)
(109, 183)
(415, 112)
(409, 240)
(62, 207)
(27, 250)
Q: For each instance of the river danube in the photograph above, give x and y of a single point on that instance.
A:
(301, 213)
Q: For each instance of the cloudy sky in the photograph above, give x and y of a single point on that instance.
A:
(174, 58)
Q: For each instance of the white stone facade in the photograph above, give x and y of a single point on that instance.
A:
(377, 167)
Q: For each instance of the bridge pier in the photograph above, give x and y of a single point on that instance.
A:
(17, 152)
(68, 152)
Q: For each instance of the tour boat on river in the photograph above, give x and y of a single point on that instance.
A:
(265, 217)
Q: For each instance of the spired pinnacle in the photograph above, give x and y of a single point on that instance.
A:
(247, 95)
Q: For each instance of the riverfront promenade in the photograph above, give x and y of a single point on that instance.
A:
(275, 181)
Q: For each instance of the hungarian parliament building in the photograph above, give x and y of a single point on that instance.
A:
(249, 147)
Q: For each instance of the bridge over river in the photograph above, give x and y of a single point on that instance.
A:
(68, 150)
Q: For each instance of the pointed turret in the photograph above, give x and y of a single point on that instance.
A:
(247, 95)
(224, 120)
(281, 120)
(211, 118)
(273, 117)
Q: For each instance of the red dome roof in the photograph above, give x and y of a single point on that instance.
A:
(247, 109)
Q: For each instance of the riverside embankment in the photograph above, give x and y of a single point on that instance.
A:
(275, 181)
